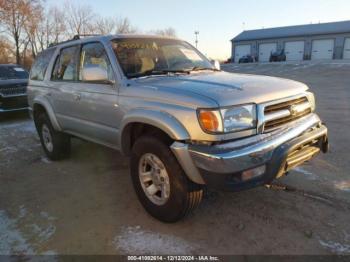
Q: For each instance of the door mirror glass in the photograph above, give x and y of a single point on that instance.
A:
(94, 73)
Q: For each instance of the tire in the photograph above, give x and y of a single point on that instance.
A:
(60, 142)
(184, 195)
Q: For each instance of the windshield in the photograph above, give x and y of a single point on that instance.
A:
(151, 56)
(12, 72)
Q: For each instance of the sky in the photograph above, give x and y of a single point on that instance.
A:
(218, 21)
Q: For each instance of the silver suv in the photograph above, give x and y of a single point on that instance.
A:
(184, 123)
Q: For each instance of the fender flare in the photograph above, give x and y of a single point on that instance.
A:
(159, 119)
(171, 126)
(48, 108)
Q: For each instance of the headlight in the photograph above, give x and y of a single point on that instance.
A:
(239, 118)
(311, 98)
(226, 120)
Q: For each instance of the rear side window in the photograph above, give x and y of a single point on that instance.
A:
(66, 65)
(40, 65)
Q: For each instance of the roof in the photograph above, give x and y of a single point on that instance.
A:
(144, 36)
(294, 31)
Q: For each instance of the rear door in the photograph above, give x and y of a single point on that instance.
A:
(63, 88)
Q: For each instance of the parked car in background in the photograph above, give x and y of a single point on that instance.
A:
(13, 88)
(278, 56)
(228, 61)
(246, 59)
(184, 123)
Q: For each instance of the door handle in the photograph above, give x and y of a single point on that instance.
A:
(77, 97)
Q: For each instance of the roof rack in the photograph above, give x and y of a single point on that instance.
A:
(75, 37)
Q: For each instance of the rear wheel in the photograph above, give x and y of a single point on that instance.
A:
(161, 185)
(56, 144)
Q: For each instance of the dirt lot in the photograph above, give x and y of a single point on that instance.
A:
(86, 205)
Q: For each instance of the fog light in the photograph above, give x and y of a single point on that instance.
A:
(253, 173)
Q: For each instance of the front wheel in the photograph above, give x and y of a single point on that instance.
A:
(161, 185)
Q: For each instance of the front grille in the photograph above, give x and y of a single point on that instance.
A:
(13, 90)
(282, 113)
(13, 102)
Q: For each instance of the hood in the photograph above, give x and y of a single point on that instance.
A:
(228, 88)
(13, 82)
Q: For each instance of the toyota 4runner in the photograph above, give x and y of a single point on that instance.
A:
(184, 123)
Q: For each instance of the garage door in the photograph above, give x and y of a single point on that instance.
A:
(347, 49)
(241, 50)
(265, 51)
(322, 49)
(294, 50)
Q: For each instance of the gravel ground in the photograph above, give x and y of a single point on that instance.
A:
(86, 204)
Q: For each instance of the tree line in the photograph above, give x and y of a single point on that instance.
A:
(28, 26)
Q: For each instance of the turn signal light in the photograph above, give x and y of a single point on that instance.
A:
(209, 120)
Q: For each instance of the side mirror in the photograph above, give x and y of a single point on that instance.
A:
(94, 73)
(216, 64)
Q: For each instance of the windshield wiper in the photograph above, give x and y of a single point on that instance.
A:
(198, 68)
(146, 73)
(158, 72)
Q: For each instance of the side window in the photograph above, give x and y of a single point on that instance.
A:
(93, 55)
(40, 65)
(66, 65)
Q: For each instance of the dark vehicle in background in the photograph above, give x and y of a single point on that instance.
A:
(278, 56)
(228, 61)
(246, 59)
(13, 88)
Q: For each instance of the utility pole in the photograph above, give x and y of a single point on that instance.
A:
(196, 33)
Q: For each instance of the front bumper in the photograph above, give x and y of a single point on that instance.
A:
(13, 103)
(222, 166)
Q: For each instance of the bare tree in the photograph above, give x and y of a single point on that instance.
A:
(105, 25)
(79, 18)
(6, 51)
(124, 26)
(49, 27)
(165, 32)
(13, 16)
(56, 25)
(32, 26)
(109, 25)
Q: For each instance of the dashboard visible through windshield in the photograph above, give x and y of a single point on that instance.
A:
(155, 56)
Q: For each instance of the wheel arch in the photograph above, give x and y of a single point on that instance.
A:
(162, 121)
(42, 105)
